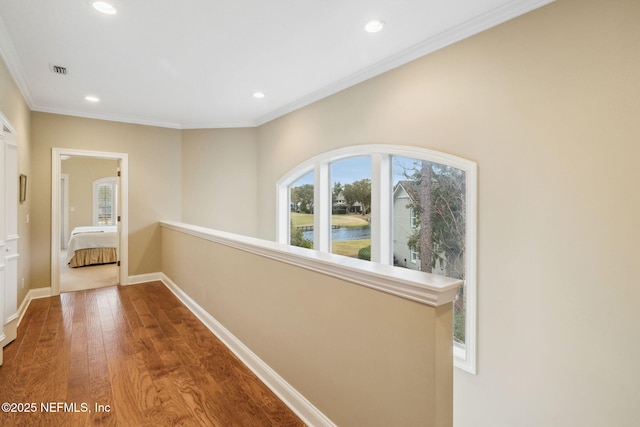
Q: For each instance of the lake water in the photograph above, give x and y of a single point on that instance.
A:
(345, 233)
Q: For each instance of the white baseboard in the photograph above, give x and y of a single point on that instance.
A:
(289, 395)
(31, 295)
(143, 278)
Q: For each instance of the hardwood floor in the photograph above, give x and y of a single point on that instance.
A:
(139, 353)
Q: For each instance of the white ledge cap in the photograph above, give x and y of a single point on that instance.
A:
(425, 288)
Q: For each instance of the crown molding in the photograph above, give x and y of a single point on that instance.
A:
(474, 26)
(220, 125)
(145, 122)
(453, 35)
(12, 61)
(107, 117)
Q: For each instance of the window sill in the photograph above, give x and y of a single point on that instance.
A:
(424, 288)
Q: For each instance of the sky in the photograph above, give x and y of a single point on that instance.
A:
(344, 171)
(351, 169)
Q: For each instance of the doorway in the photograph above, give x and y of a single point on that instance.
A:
(77, 210)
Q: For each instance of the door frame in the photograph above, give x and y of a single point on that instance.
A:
(56, 168)
(64, 209)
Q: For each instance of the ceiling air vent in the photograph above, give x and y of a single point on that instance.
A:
(58, 69)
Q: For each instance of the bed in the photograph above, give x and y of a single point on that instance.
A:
(92, 245)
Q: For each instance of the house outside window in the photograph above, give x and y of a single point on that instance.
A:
(350, 179)
(421, 209)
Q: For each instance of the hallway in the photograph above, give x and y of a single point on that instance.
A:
(128, 356)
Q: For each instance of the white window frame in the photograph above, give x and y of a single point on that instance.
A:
(111, 180)
(381, 217)
(414, 218)
(414, 255)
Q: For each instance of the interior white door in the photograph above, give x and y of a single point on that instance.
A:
(2, 241)
(118, 212)
(8, 233)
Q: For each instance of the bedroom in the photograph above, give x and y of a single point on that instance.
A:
(88, 232)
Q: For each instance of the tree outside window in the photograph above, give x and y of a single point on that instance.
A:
(434, 194)
(301, 212)
(423, 217)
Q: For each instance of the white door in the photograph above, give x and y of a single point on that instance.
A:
(8, 233)
(118, 213)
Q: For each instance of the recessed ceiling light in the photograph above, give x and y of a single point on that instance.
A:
(258, 95)
(374, 26)
(104, 7)
(92, 98)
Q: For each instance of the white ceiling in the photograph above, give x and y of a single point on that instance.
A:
(196, 63)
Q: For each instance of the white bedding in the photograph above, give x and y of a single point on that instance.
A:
(92, 237)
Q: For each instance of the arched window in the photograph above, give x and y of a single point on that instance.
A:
(105, 201)
(402, 206)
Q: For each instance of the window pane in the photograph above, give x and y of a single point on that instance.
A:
(301, 212)
(351, 207)
(451, 198)
(429, 223)
(105, 201)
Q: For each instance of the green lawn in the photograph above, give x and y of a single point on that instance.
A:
(349, 248)
(302, 219)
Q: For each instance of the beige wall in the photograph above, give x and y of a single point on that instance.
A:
(16, 110)
(219, 168)
(154, 182)
(548, 106)
(361, 356)
(83, 171)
